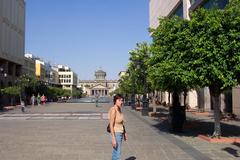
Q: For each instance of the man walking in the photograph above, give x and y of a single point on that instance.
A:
(33, 99)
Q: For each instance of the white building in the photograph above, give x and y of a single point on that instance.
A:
(67, 78)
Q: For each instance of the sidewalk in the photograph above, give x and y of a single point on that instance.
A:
(196, 125)
(59, 135)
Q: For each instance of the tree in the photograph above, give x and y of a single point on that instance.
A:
(168, 64)
(138, 67)
(11, 91)
(27, 86)
(216, 51)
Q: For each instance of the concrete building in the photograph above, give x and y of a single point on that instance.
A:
(98, 87)
(29, 66)
(12, 40)
(201, 98)
(54, 77)
(67, 78)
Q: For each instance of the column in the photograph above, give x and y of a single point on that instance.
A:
(236, 100)
(186, 6)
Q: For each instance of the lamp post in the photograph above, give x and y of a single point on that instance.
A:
(144, 99)
(3, 76)
(133, 94)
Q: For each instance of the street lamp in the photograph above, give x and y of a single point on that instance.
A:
(132, 90)
(2, 75)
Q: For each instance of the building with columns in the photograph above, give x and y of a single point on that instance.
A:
(98, 87)
(12, 40)
(162, 8)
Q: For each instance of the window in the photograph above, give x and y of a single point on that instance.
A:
(215, 3)
(179, 10)
(192, 1)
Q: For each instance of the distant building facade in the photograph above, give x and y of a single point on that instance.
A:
(12, 40)
(98, 87)
(29, 66)
(67, 78)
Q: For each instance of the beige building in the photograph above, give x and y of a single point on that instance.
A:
(67, 78)
(12, 39)
(98, 87)
(167, 8)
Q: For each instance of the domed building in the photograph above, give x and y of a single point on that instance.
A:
(100, 75)
(98, 87)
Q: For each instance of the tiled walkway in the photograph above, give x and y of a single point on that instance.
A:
(78, 132)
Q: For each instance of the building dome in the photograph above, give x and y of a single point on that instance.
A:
(100, 74)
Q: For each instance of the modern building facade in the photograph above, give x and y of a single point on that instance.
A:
(67, 78)
(12, 40)
(98, 87)
(182, 8)
(29, 66)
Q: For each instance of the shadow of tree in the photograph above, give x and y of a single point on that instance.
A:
(236, 144)
(131, 158)
(194, 127)
(232, 151)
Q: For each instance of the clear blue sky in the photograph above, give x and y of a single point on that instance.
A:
(86, 34)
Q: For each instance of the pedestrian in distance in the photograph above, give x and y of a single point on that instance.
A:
(43, 99)
(116, 124)
(33, 100)
(38, 99)
(96, 101)
(22, 106)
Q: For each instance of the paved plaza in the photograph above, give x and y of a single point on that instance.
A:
(77, 131)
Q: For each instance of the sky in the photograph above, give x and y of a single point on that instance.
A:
(86, 35)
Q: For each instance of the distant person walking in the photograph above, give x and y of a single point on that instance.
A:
(97, 99)
(38, 99)
(43, 99)
(33, 100)
(117, 129)
(22, 105)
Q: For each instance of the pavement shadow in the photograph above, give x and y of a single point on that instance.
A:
(194, 127)
(236, 144)
(131, 158)
(231, 151)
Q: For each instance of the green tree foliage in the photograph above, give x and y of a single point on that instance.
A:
(125, 85)
(11, 91)
(170, 53)
(216, 51)
(204, 51)
(137, 67)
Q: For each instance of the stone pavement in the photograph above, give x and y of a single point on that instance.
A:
(78, 132)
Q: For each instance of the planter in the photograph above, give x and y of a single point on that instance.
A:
(176, 118)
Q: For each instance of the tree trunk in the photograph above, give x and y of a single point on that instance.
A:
(185, 98)
(175, 99)
(215, 94)
(169, 94)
